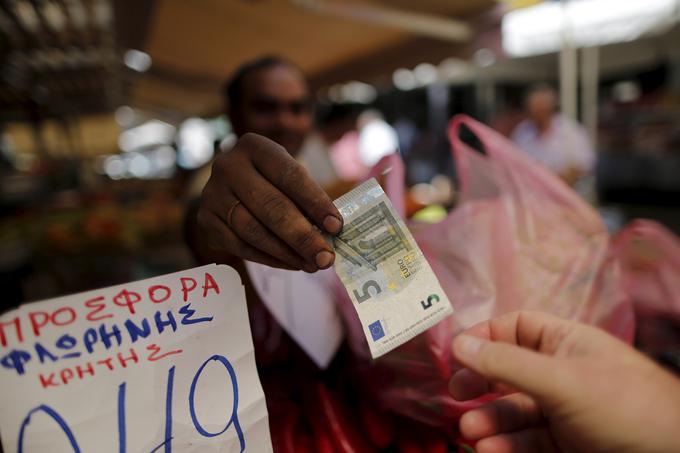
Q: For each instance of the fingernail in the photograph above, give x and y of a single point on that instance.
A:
(324, 259)
(332, 224)
(467, 346)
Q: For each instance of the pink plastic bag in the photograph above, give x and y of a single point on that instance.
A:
(519, 239)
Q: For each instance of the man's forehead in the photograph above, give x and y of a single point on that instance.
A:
(543, 96)
(278, 82)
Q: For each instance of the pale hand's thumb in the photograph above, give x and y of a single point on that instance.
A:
(526, 370)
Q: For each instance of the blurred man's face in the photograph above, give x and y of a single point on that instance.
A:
(275, 103)
(541, 106)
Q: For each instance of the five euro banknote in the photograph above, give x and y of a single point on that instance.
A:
(391, 284)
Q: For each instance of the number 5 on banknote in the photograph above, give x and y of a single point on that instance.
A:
(365, 295)
(393, 288)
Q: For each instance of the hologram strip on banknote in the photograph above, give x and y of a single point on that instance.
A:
(392, 286)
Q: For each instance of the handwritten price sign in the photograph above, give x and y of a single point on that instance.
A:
(160, 365)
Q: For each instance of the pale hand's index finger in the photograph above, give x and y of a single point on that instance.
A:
(538, 331)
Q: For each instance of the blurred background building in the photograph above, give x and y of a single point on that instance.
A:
(109, 109)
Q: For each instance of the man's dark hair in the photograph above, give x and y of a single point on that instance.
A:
(541, 87)
(233, 89)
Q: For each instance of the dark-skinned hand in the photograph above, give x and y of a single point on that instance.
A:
(261, 205)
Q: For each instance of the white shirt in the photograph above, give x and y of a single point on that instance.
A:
(563, 146)
(377, 139)
(315, 157)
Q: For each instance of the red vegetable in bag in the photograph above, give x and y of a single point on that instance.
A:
(378, 425)
(344, 432)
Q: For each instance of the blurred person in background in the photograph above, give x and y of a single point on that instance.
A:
(357, 151)
(335, 124)
(558, 142)
(377, 138)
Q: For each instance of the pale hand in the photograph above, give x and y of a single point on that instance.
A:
(569, 388)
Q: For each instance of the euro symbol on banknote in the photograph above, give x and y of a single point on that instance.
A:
(392, 287)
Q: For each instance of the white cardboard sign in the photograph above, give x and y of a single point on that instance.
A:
(159, 365)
